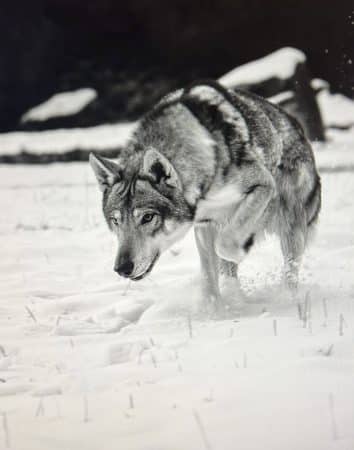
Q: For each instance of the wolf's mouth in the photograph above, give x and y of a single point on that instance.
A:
(148, 270)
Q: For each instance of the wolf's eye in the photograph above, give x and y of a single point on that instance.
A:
(147, 217)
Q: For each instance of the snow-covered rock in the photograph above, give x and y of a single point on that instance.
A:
(59, 105)
(101, 137)
(337, 109)
(279, 64)
(318, 84)
(283, 77)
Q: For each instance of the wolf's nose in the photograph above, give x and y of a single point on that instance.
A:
(125, 269)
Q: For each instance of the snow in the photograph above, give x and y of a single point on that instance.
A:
(343, 158)
(281, 97)
(62, 104)
(280, 64)
(319, 84)
(91, 361)
(62, 140)
(336, 109)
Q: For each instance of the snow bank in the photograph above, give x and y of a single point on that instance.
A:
(279, 64)
(101, 137)
(63, 104)
(337, 154)
(336, 109)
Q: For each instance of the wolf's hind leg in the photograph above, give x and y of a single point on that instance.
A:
(293, 242)
(299, 209)
(205, 240)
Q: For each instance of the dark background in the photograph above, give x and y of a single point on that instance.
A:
(134, 51)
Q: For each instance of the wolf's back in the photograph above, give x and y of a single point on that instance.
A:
(241, 122)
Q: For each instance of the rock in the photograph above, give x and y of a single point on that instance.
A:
(283, 77)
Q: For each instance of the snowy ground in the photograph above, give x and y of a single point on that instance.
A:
(91, 362)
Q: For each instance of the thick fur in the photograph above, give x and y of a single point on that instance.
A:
(227, 162)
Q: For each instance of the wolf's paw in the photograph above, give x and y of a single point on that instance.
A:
(291, 278)
(215, 310)
(231, 291)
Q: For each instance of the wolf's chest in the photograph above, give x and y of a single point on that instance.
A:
(219, 204)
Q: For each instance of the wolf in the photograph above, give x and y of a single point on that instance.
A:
(227, 162)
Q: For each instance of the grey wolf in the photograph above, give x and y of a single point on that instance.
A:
(226, 162)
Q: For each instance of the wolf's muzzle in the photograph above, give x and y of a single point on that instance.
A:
(148, 270)
(125, 269)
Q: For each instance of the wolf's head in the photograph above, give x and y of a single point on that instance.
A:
(144, 206)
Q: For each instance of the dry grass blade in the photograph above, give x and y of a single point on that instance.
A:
(325, 311)
(190, 328)
(333, 417)
(329, 350)
(299, 311)
(275, 327)
(33, 317)
(341, 324)
(153, 360)
(5, 427)
(86, 414)
(40, 409)
(131, 401)
(202, 431)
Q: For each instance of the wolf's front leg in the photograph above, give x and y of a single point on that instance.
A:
(205, 239)
(236, 237)
(229, 284)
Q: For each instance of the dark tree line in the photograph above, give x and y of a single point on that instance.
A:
(132, 52)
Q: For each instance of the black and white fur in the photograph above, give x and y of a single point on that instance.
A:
(227, 162)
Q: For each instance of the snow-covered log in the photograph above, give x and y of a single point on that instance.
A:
(59, 105)
(283, 71)
(72, 144)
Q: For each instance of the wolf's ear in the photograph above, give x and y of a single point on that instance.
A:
(107, 171)
(159, 167)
